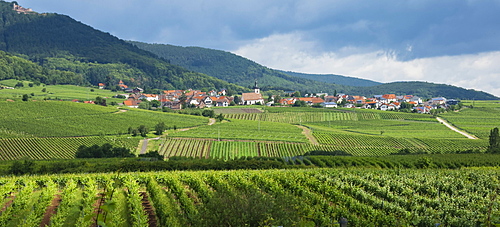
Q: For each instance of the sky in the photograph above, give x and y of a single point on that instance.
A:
(453, 42)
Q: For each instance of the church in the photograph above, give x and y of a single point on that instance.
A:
(253, 97)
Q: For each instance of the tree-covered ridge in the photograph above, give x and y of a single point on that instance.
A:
(42, 38)
(425, 90)
(337, 79)
(239, 70)
(235, 69)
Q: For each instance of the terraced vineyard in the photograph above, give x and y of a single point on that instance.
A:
(319, 197)
(64, 119)
(246, 130)
(55, 148)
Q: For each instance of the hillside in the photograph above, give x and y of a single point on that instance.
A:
(235, 69)
(332, 78)
(59, 42)
(242, 71)
(426, 90)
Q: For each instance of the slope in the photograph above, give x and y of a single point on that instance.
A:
(235, 69)
(97, 56)
(332, 78)
(242, 71)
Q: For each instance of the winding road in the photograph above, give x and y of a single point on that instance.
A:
(455, 129)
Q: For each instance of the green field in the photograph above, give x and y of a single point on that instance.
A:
(65, 119)
(246, 130)
(316, 197)
(478, 120)
(55, 92)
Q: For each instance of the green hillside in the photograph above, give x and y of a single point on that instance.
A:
(59, 42)
(235, 69)
(337, 79)
(426, 90)
(238, 70)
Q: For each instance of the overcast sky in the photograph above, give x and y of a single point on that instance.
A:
(446, 41)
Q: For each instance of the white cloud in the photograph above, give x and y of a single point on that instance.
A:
(291, 52)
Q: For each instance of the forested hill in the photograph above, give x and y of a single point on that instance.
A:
(59, 42)
(332, 78)
(239, 70)
(427, 90)
(236, 69)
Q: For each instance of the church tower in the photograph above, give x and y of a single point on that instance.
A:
(256, 88)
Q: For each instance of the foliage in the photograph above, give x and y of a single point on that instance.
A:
(90, 56)
(105, 151)
(314, 197)
(160, 127)
(494, 140)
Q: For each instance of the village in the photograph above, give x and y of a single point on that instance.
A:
(181, 99)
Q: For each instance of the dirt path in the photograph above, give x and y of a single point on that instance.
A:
(211, 121)
(144, 147)
(308, 133)
(120, 111)
(455, 129)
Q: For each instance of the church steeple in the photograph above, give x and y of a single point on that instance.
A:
(256, 88)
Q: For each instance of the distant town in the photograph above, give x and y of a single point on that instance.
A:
(181, 99)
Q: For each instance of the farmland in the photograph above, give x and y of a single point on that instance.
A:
(317, 197)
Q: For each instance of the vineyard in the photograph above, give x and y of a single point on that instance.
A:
(63, 119)
(478, 120)
(319, 197)
(55, 148)
(246, 130)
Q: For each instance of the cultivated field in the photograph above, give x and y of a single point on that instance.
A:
(318, 197)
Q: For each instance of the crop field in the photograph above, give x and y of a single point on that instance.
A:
(316, 197)
(291, 116)
(478, 120)
(55, 148)
(246, 130)
(391, 128)
(64, 119)
(385, 144)
(54, 92)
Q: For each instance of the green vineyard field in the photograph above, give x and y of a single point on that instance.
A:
(317, 197)
(55, 148)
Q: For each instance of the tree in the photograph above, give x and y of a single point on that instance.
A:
(300, 103)
(143, 130)
(494, 141)
(236, 99)
(100, 101)
(219, 117)
(159, 128)
(25, 97)
(19, 84)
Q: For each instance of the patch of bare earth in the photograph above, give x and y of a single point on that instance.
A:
(148, 208)
(51, 210)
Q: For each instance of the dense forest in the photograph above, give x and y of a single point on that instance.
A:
(59, 42)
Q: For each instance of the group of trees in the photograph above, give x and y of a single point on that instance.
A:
(494, 146)
(105, 151)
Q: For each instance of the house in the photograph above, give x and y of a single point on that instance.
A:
(210, 101)
(149, 97)
(287, 101)
(132, 103)
(312, 100)
(329, 104)
(438, 100)
(101, 85)
(222, 101)
(390, 98)
(122, 85)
